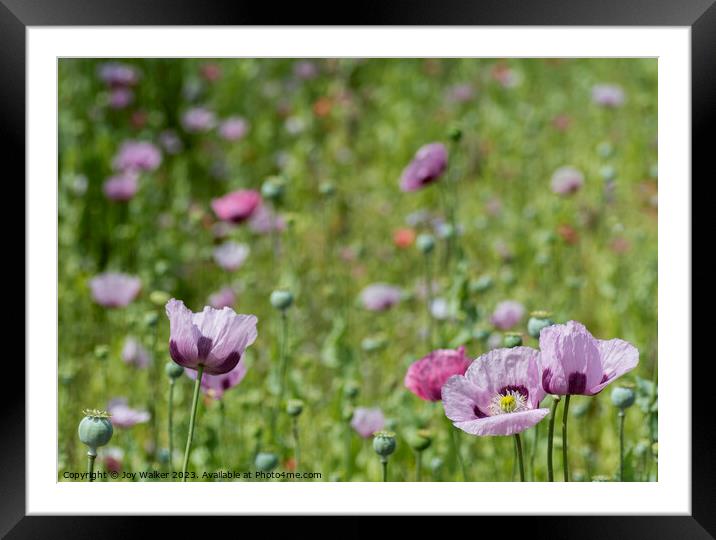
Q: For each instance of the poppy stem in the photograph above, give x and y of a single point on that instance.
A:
(297, 447)
(550, 438)
(91, 455)
(282, 359)
(565, 462)
(418, 465)
(428, 300)
(192, 420)
(171, 423)
(384, 461)
(621, 415)
(520, 461)
(533, 453)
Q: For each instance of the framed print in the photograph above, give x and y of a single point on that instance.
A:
(364, 267)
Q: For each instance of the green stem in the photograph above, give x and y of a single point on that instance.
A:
(565, 416)
(622, 414)
(456, 448)
(418, 465)
(428, 300)
(90, 465)
(348, 451)
(533, 453)
(297, 447)
(550, 439)
(518, 445)
(171, 423)
(282, 370)
(384, 461)
(192, 419)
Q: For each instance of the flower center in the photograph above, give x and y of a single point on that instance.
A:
(508, 401)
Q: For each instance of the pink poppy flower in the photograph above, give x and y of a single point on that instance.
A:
(499, 394)
(234, 128)
(567, 180)
(122, 187)
(119, 98)
(112, 458)
(574, 362)
(426, 377)
(134, 354)
(213, 338)
(124, 416)
(305, 70)
(237, 206)
(198, 120)
(231, 255)
(507, 314)
(225, 297)
(115, 74)
(380, 296)
(367, 421)
(114, 289)
(608, 95)
(137, 156)
(214, 386)
(429, 163)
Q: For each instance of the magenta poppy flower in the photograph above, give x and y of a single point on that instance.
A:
(499, 394)
(429, 163)
(380, 296)
(567, 180)
(198, 120)
(507, 314)
(234, 128)
(112, 458)
(264, 220)
(214, 386)
(116, 74)
(426, 377)
(225, 297)
(231, 255)
(121, 187)
(134, 354)
(121, 97)
(237, 206)
(574, 362)
(367, 421)
(608, 95)
(137, 156)
(114, 289)
(213, 338)
(123, 416)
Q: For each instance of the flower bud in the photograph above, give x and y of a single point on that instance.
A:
(455, 134)
(623, 397)
(512, 339)
(266, 461)
(273, 188)
(159, 298)
(281, 299)
(294, 407)
(419, 439)
(425, 243)
(173, 371)
(384, 443)
(537, 321)
(95, 429)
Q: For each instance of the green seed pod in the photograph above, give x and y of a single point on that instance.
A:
(512, 339)
(436, 464)
(151, 318)
(159, 298)
(281, 299)
(623, 397)
(373, 343)
(419, 439)
(480, 334)
(273, 188)
(455, 134)
(95, 429)
(641, 448)
(351, 389)
(101, 352)
(605, 149)
(327, 189)
(537, 321)
(425, 243)
(173, 371)
(294, 407)
(266, 461)
(384, 443)
(608, 173)
(482, 284)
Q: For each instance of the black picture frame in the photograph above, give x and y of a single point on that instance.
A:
(699, 15)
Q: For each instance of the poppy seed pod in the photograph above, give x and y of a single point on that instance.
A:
(294, 407)
(95, 430)
(351, 389)
(266, 461)
(455, 134)
(384, 443)
(537, 321)
(622, 397)
(101, 352)
(281, 299)
(151, 319)
(419, 440)
(482, 284)
(273, 188)
(512, 339)
(173, 370)
(425, 243)
(159, 298)
(327, 189)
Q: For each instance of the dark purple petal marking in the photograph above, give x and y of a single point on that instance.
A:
(175, 354)
(546, 379)
(477, 412)
(605, 378)
(515, 388)
(225, 384)
(203, 346)
(577, 383)
(227, 364)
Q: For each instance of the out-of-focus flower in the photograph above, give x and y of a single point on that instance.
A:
(608, 95)
(123, 416)
(562, 122)
(198, 120)
(214, 386)
(116, 74)
(506, 76)
(322, 106)
(210, 71)
(567, 180)
(568, 233)
(233, 128)
(426, 377)
(620, 245)
(114, 289)
(499, 394)
(225, 297)
(120, 97)
(121, 187)
(112, 458)
(380, 296)
(460, 93)
(574, 362)
(403, 238)
(231, 255)
(215, 339)
(429, 163)
(305, 70)
(265, 220)
(507, 314)
(170, 141)
(237, 206)
(134, 353)
(367, 421)
(137, 156)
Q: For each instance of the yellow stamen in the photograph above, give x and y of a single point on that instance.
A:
(508, 403)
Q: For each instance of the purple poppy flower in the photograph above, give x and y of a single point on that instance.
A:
(499, 394)
(121, 187)
(237, 206)
(574, 362)
(367, 421)
(225, 297)
(429, 163)
(426, 377)
(567, 180)
(231, 255)
(114, 289)
(137, 156)
(608, 95)
(460, 93)
(115, 74)
(507, 314)
(234, 128)
(214, 386)
(305, 70)
(170, 141)
(134, 354)
(121, 97)
(124, 416)
(198, 120)
(213, 338)
(380, 296)
(264, 220)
